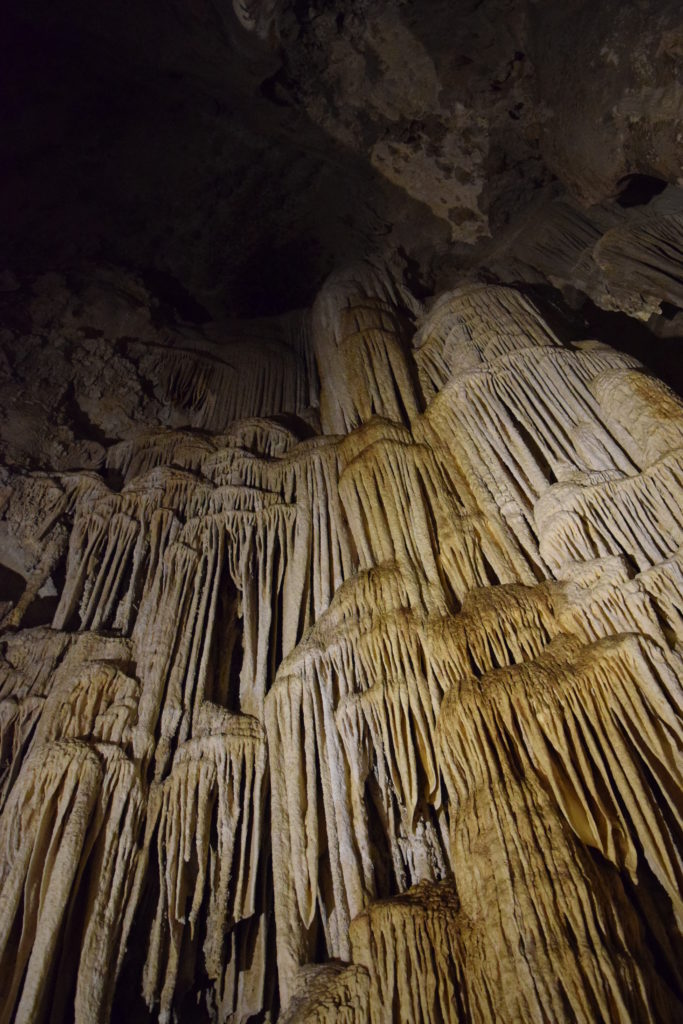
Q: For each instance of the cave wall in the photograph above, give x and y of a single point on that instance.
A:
(341, 662)
(340, 512)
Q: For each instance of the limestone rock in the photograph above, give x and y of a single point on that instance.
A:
(380, 723)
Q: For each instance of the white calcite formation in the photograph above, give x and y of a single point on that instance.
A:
(380, 723)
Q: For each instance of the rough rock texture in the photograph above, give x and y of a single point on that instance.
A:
(341, 675)
(233, 153)
(341, 518)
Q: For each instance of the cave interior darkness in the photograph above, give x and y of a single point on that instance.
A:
(230, 160)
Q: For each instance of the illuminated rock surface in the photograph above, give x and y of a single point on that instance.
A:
(344, 680)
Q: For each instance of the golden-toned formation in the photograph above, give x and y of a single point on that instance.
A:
(361, 699)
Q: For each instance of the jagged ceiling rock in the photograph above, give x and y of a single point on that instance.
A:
(500, 95)
(235, 153)
(459, 132)
(153, 140)
(608, 89)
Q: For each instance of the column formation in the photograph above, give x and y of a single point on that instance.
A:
(379, 723)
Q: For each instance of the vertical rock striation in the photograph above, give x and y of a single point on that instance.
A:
(376, 723)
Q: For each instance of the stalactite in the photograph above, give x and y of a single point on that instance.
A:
(625, 259)
(475, 324)
(402, 507)
(360, 337)
(525, 422)
(605, 597)
(419, 932)
(645, 408)
(664, 585)
(337, 993)
(609, 514)
(145, 452)
(306, 474)
(207, 817)
(319, 766)
(40, 666)
(644, 256)
(377, 724)
(574, 926)
(69, 835)
(210, 385)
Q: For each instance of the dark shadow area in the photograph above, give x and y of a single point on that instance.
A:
(639, 190)
(277, 278)
(174, 297)
(12, 584)
(659, 354)
(151, 140)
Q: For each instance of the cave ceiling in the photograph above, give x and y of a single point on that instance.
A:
(232, 154)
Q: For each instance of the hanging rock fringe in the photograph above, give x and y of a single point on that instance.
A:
(376, 724)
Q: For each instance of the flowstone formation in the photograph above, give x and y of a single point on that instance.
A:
(341, 667)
